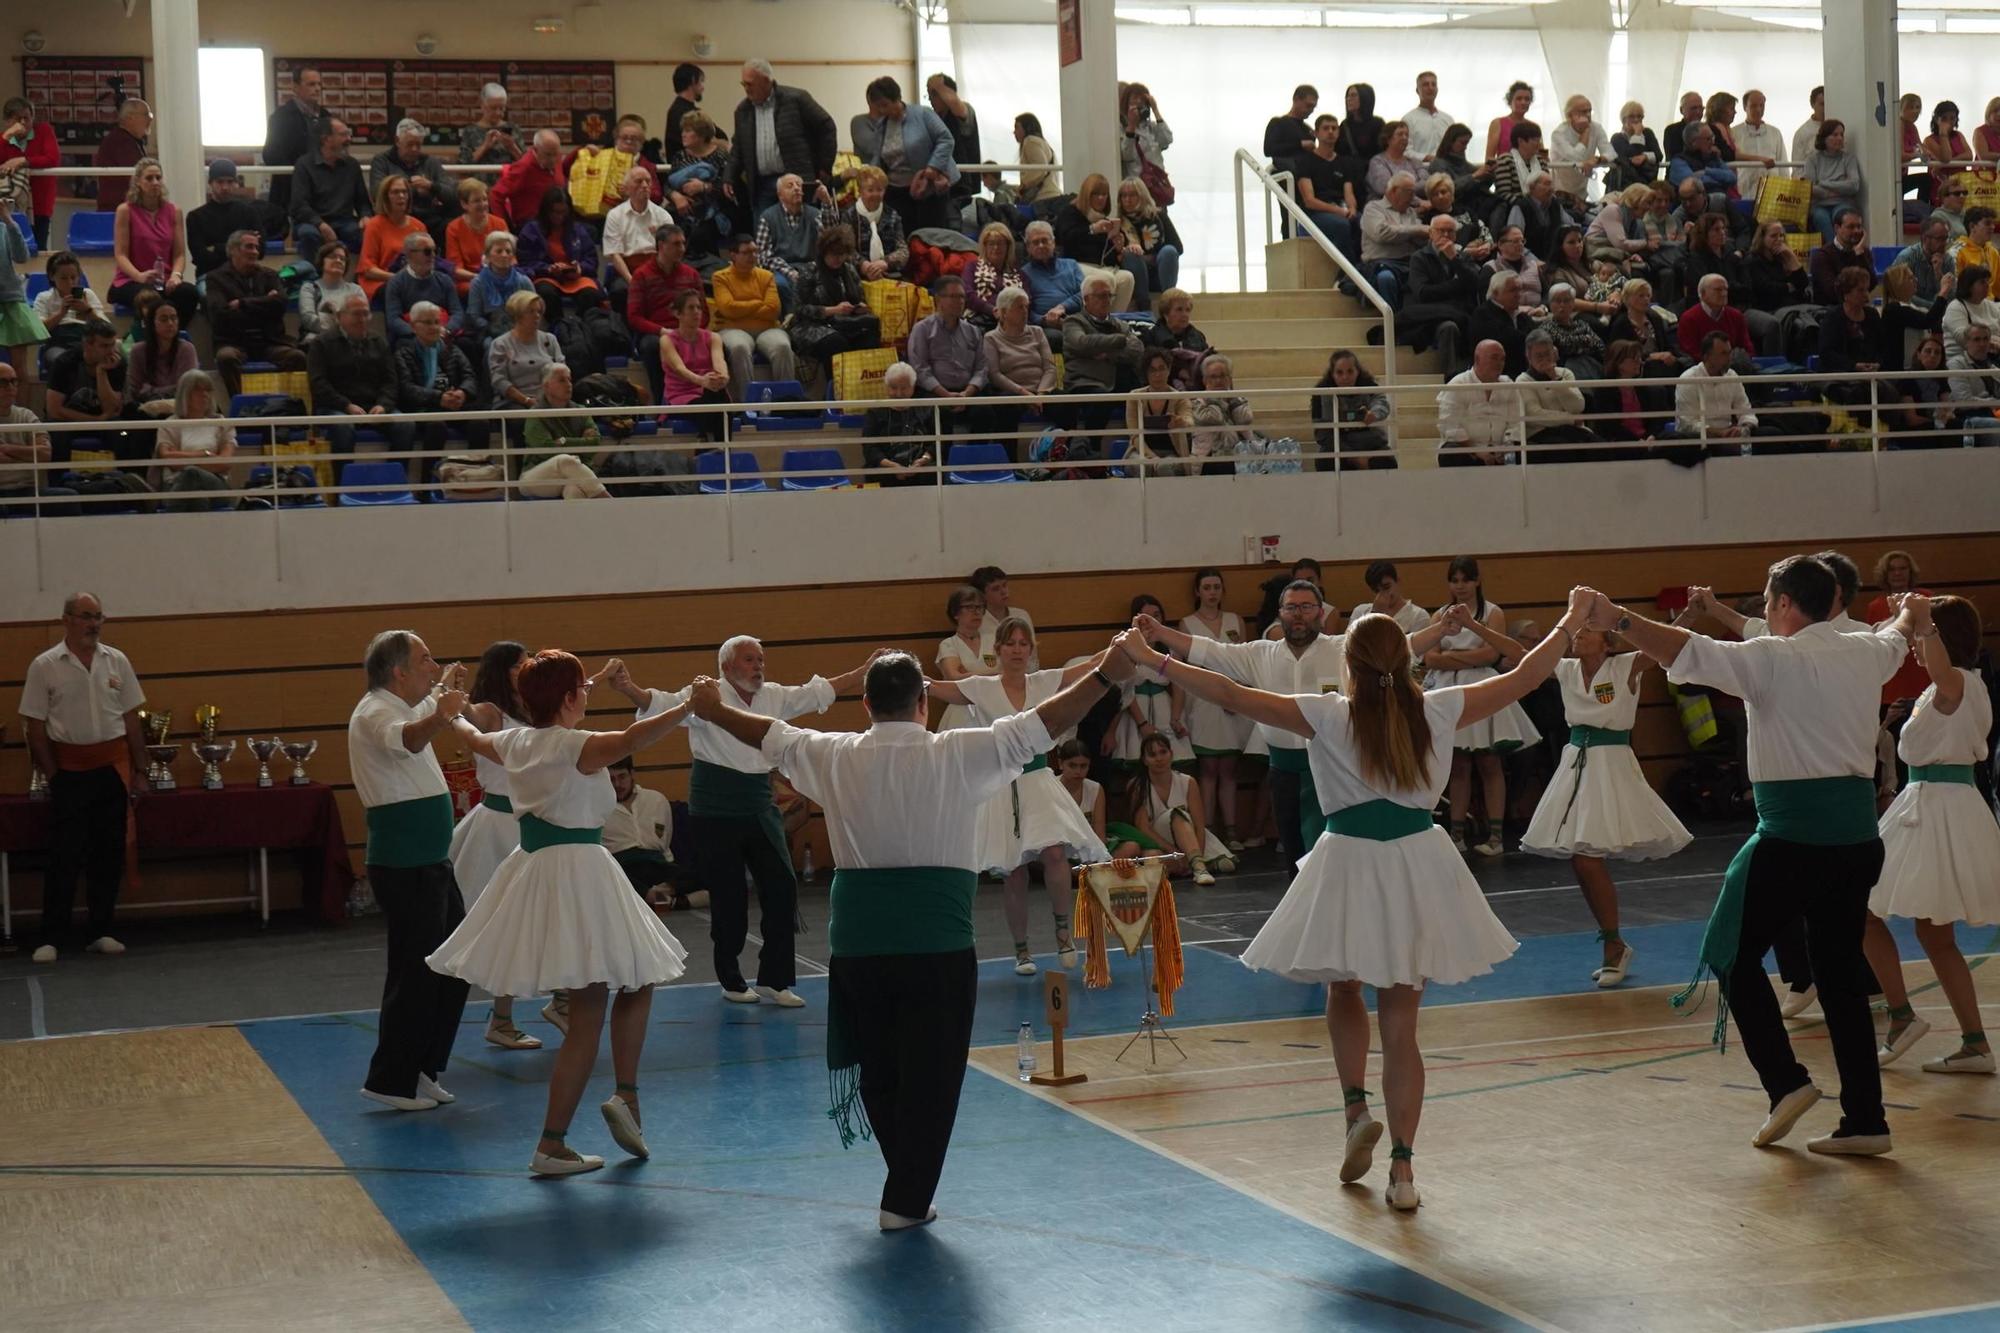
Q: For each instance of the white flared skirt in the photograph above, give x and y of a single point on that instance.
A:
(1606, 809)
(1031, 813)
(1399, 913)
(1508, 729)
(560, 918)
(482, 840)
(1213, 729)
(1940, 856)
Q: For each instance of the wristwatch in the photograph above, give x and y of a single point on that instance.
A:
(1624, 621)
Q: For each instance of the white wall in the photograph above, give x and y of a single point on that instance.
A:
(171, 564)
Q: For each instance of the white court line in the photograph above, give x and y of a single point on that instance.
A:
(37, 1022)
(1237, 1186)
(1899, 1316)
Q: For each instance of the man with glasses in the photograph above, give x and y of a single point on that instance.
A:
(81, 703)
(246, 309)
(1930, 261)
(20, 449)
(420, 280)
(1951, 209)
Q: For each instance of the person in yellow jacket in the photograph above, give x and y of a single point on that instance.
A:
(596, 175)
(745, 312)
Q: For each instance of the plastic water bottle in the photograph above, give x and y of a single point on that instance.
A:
(806, 875)
(1024, 1052)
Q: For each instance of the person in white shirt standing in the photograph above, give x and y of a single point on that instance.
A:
(1805, 140)
(408, 808)
(1427, 123)
(1811, 695)
(81, 703)
(734, 823)
(1760, 141)
(902, 805)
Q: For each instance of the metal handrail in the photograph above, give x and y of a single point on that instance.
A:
(1303, 224)
(472, 168)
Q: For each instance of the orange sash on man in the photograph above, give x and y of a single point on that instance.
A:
(107, 754)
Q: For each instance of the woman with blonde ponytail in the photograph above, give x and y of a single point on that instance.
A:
(1382, 899)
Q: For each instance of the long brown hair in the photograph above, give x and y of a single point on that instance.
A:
(1957, 622)
(1386, 722)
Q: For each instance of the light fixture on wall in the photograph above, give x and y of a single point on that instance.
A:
(32, 41)
(427, 45)
(703, 47)
(547, 25)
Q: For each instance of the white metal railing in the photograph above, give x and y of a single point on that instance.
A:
(485, 168)
(1282, 195)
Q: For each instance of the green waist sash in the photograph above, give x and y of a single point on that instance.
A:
(1378, 821)
(410, 833)
(716, 791)
(1040, 761)
(1150, 687)
(495, 801)
(1819, 812)
(1958, 773)
(1586, 739)
(537, 833)
(895, 910)
(1290, 759)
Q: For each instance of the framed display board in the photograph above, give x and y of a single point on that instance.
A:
(78, 94)
(576, 98)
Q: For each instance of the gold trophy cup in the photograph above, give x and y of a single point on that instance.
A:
(155, 725)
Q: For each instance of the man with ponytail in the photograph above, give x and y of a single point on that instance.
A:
(1810, 695)
(1383, 899)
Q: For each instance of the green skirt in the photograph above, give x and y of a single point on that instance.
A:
(19, 325)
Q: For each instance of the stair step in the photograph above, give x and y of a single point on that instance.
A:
(1277, 304)
(1320, 331)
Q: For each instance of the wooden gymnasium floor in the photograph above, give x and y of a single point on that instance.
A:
(1584, 1157)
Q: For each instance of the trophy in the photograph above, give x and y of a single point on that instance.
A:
(264, 750)
(38, 784)
(161, 772)
(213, 754)
(298, 752)
(208, 717)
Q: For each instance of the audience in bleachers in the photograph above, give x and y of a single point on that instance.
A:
(230, 208)
(159, 358)
(525, 182)
(321, 298)
(1392, 230)
(196, 446)
(899, 439)
(1846, 247)
(28, 143)
(67, 306)
(747, 313)
(699, 173)
(497, 280)
(1635, 151)
(383, 234)
(652, 305)
(123, 145)
(996, 269)
(1476, 411)
(352, 371)
(1054, 282)
(779, 131)
(597, 175)
(246, 313)
(433, 374)
(880, 245)
(559, 255)
(1145, 135)
(631, 231)
(329, 199)
(491, 139)
(149, 244)
(1019, 364)
(788, 237)
(909, 143)
(1835, 177)
(1100, 356)
(419, 280)
(1099, 241)
(1971, 304)
(689, 366)
(1503, 318)
(432, 200)
(833, 315)
(1351, 426)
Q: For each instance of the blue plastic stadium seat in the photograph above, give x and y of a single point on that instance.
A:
(90, 233)
(377, 474)
(742, 467)
(815, 460)
(974, 453)
(617, 362)
(1116, 453)
(1885, 255)
(836, 417)
(35, 284)
(260, 476)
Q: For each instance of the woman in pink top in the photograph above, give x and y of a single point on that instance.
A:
(148, 244)
(693, 364)
(1500, 131)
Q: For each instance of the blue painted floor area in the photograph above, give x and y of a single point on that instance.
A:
(750, 1204)
(1983, 1320)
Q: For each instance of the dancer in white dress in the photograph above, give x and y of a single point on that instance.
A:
(1034, 819)
(1382, 898)
(1383, 581)
(559, 911)
(1941, 847)
(959, 654)
(1600, 806)
(1148, 707)
(1468, 655)
(1168, 817)
(489, 831)
(1217, 735)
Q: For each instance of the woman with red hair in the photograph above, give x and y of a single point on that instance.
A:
(559, 914)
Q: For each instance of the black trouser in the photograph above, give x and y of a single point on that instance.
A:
(647, 871)
(87, 813)
(1285, 809)
(182, 296)
(723, 848)
(1827, 888)
(913, 1014)
(420, 1008)
(1795, 961)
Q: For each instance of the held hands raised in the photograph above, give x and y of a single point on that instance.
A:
(1118, 665)
(705, 698)
(1132, 649)
(1144, 625)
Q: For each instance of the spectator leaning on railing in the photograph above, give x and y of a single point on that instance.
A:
(1835, 177)
(292, 130)
(1758, 141)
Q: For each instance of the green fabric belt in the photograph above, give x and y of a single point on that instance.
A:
(1150, 687)
(1115, 833)
(1819, 812)
(1039, 762)
(894, 910)
(1378, 821)
(493, 800)
(410, 833)
(716, 791)
(1287, 759)
(1584, 738)
(1958, 773)
(537, 833)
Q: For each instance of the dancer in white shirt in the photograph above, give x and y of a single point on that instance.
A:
(1382, 899)
(1472, 652)
(1941, 848)
(1218, 736)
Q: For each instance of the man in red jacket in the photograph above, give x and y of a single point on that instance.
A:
(649, 305)
(517, 195)
(1713, 314)
(34, 144)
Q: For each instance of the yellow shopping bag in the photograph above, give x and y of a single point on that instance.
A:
(1784, 199)
(899, 305)
(282, 449)
(858, 375)
(292, 383)
(1803, 243)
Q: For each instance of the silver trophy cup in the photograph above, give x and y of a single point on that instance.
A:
(213, 754)
(298, 752)
(264, 749)
(161, 773)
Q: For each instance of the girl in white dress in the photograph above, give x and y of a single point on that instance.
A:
(959, 655)
(1466, 656)
(559, 913)
(1071, 762)
(1386, 585)
(1940, 846)
(1382, 899)
(1599, 804)
(485, 837)
(1217, 735)
(1033, 819)
(1147, 707)
(1167, 816)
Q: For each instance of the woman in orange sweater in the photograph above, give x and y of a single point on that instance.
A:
(382, 235)
(465, 236)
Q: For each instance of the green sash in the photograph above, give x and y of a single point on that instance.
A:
(1115, 833)
(1586, 739)
(410, 833)
(537, 833)
(1819, 812)
(1379, 821)
(1958, 773)
(1150, 687)
(1311, 818)
(896, 910)
(1039, 762)
(495, 801)
(716, 791)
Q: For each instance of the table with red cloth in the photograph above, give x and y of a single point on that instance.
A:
(238, 818)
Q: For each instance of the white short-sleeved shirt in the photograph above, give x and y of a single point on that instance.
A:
(1606, 700)
(989, 700)
(1931, 737)
(384, 772)
(1269, 664)
(1086, 798)
(541, 764)
(714, 745)
(991, 625)
(967, 655)
(493, 777)
(1336, 767)
(646, 823)
(1811, 699)
(1409, 615)
(629, 233)
(900, 795)
(1231, 628)
(81, 705)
